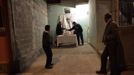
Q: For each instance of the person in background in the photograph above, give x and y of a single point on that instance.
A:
(113, 49)
(59, 29)
(78, 31)
(47, 42)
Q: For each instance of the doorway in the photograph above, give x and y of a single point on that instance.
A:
(5, 49)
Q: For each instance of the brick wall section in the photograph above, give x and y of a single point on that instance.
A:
(30, 17)
(39, 21)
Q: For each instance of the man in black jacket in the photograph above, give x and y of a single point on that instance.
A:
(47, 47)
(113, 49)
(78, 31)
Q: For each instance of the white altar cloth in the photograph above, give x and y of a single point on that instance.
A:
(66, 39)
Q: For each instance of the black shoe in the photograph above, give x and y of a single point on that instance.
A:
(49, 67)
(51, 64)
(101, 72)
(82, 43)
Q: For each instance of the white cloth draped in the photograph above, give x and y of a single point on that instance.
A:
(66, 22)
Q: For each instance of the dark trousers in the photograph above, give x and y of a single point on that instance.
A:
(104, 57)
(80, 36)
(49, 55)
(110, 51)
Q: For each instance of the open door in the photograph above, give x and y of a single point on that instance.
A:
(5, 50)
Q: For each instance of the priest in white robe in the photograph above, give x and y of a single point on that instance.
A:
(66, 20)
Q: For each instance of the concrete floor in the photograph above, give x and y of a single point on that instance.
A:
(81, 60)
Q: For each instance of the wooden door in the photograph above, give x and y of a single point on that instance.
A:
(5, 50)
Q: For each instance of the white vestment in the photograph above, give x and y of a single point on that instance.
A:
(66, 21)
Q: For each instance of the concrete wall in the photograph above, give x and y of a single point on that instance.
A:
(30, 17)
(92, 28)
(102, 7)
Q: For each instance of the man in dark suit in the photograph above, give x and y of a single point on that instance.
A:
(78, 31)
(113, 49)
(47, 42)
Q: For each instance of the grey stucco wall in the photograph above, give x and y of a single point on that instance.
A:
(92, 29)
(102, 7)
(30, 17)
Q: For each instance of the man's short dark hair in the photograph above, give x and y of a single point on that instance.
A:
(74, 23)
(108, 16)
(47, 27)
(66, 10)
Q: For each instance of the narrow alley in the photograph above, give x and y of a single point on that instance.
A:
(27, 27)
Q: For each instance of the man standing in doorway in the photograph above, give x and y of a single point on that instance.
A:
(113, 49)
(78, 31)
(47, 42)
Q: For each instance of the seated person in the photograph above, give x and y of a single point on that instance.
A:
(59, 29)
